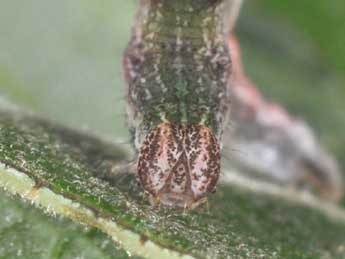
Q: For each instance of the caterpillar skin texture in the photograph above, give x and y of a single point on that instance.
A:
(177, 68)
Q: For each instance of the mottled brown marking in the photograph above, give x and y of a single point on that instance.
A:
(179, 165)
(39, 185)
(143, 239)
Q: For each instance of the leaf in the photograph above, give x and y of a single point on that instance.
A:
(61, 171)
(28, 233)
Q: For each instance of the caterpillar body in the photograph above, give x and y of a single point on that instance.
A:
(177, 67)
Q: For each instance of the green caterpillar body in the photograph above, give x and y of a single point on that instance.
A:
(177, 67)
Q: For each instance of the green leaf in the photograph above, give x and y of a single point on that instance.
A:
(62, 171)
(28, 233)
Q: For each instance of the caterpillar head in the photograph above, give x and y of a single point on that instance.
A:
(179, 164)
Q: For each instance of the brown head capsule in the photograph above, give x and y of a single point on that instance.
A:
(179, 164)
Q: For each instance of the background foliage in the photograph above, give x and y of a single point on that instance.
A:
(63, 59)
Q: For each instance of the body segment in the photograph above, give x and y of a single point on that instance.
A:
(177, 68)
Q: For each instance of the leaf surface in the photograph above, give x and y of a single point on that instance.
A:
(62, 171)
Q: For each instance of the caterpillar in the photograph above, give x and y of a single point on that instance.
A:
(177, 65)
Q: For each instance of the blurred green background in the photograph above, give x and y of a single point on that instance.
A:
(63, 59)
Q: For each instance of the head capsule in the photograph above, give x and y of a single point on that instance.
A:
(179, 164)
